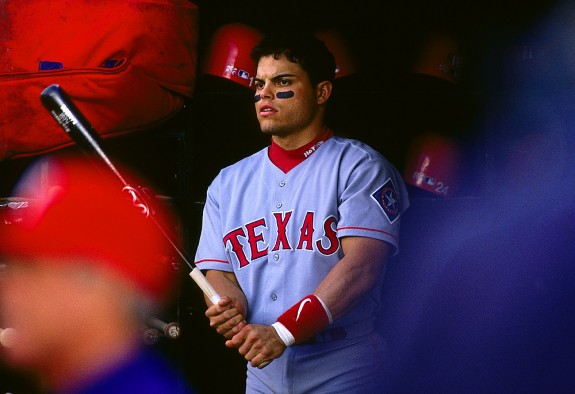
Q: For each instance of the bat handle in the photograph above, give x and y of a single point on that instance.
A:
(206, 287)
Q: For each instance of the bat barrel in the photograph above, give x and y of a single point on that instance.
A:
(70, 118)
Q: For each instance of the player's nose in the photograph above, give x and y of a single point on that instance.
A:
(266, 92)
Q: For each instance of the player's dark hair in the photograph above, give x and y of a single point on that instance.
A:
(301, 48)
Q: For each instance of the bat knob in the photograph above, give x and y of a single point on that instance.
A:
(172, 330)
(151, 336)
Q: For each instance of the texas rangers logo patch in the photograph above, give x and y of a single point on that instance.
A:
(388, 199)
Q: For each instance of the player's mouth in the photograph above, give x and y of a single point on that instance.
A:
(266, 110)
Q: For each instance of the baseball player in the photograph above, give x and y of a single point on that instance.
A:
(295, 237)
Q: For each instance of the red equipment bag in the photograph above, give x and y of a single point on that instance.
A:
(128, 65)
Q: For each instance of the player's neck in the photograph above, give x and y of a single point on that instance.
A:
(299, 139)
(286, 160)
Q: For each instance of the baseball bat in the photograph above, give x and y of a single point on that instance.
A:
(69, 117)
(170, 330)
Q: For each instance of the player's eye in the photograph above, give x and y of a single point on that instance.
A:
(284, 82)
(258, 84)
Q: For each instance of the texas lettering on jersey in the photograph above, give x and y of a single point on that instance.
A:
(252, 240)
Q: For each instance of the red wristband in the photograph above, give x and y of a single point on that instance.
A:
(306, 318)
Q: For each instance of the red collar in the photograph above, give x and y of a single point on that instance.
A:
(286, 160)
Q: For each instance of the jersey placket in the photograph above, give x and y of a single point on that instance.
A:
(277, 246)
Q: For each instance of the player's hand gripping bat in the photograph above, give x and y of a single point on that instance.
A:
(82, 133)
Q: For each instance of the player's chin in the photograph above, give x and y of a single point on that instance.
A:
(268, 126)
(272, 130)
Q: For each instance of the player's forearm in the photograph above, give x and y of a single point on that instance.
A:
(357, 272)
(342, 288)
(226, 285)
(352, 277)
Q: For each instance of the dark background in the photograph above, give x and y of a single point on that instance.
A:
(480, 298)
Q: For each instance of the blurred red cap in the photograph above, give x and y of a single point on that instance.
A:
(76, 213)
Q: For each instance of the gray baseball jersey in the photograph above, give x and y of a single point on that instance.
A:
(279, 232)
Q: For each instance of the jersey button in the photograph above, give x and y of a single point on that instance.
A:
(279, 205)
(274, 297)
(276, 257)
(282, 183)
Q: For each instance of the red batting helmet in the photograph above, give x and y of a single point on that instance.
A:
(344, 60)
(229, 53)
(441, 57)
(434, 164)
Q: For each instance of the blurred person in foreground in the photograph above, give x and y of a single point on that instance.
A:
(81, 271)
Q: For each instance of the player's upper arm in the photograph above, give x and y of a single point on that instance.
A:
(370, 253)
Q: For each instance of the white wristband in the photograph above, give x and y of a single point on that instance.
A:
(284, 334)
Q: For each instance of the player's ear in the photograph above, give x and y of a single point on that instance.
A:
(323, 91)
